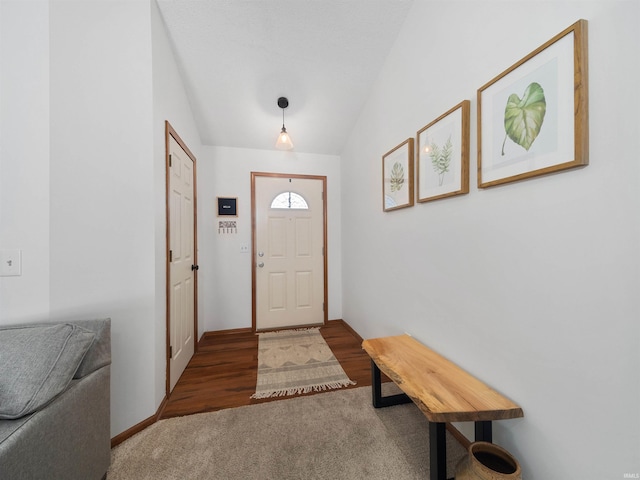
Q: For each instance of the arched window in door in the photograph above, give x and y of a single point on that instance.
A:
(290, 200)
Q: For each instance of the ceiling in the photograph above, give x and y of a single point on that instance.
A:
(236, 57)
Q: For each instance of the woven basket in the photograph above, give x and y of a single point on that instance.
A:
(487, 461)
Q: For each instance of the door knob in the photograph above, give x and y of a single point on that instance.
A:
(261, 264)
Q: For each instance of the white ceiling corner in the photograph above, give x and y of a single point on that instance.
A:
(238, 56)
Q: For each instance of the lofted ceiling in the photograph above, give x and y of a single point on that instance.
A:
(236, 57)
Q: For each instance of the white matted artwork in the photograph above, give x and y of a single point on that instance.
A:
(533, 118)
(443, 155)
(397, 177)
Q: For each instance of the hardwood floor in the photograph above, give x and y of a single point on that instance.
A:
(223, 373)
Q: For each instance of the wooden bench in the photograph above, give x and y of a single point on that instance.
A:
(442, 391)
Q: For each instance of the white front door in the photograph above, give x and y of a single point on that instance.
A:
(289, 244)
(182, 292)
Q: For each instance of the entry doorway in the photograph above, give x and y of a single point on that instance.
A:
(289, 248)
(182, 265)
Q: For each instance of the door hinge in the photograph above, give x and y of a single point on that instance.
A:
(170, 352)
(170, 256)
(323, 307)
(169, 159)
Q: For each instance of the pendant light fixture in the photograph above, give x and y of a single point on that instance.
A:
(284, 140)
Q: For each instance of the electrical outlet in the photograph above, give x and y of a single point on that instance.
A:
(244, 248)
(10, 263)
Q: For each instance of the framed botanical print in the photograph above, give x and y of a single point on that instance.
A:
(397, 177)
(533, 117)
(443, 155)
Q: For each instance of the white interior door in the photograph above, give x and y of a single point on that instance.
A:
(289, 264)
(181, 259)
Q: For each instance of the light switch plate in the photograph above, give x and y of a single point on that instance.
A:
(10, 263)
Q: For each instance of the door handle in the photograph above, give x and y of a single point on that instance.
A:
(195, 267)
(261, 264)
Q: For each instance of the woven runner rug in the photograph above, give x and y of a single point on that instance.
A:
(296, 361)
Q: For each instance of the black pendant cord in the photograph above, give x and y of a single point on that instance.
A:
(283, 103)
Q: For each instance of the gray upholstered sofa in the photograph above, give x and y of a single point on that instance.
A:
(54, 401)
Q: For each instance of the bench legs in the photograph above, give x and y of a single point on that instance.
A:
(376, 391)
(438, 446)
(437, 451)
(437, 430)
(484, 432)
(437, 440)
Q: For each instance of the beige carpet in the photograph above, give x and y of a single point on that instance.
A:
(296, 361)
(334, 436)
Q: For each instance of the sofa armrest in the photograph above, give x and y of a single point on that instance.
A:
(99, 354)
(67, 440)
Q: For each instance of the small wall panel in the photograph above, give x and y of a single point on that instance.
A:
(277, 237)
(303, 237)
(176, 223)
(304, 289)
(277, 291)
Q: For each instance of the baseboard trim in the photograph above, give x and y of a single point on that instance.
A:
(217, 333)
(457, 434)
(137, 428)
(130, 432)
(349, 328)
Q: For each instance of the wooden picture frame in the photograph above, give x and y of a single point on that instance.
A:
(443, 155)
(533, 118)
(227, 206)
(397, 177)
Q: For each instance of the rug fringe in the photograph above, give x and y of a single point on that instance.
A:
(289, 330)
(307, 389)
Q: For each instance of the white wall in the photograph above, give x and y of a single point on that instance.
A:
(102, 197)
(225, 273)
(24, 156)
(86, 87)
(531, 286)
(170, 103)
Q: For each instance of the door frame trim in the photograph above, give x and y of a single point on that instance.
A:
(168, 133)
(322, 178)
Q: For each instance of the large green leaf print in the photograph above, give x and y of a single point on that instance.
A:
(397, 177)
(523, 117)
